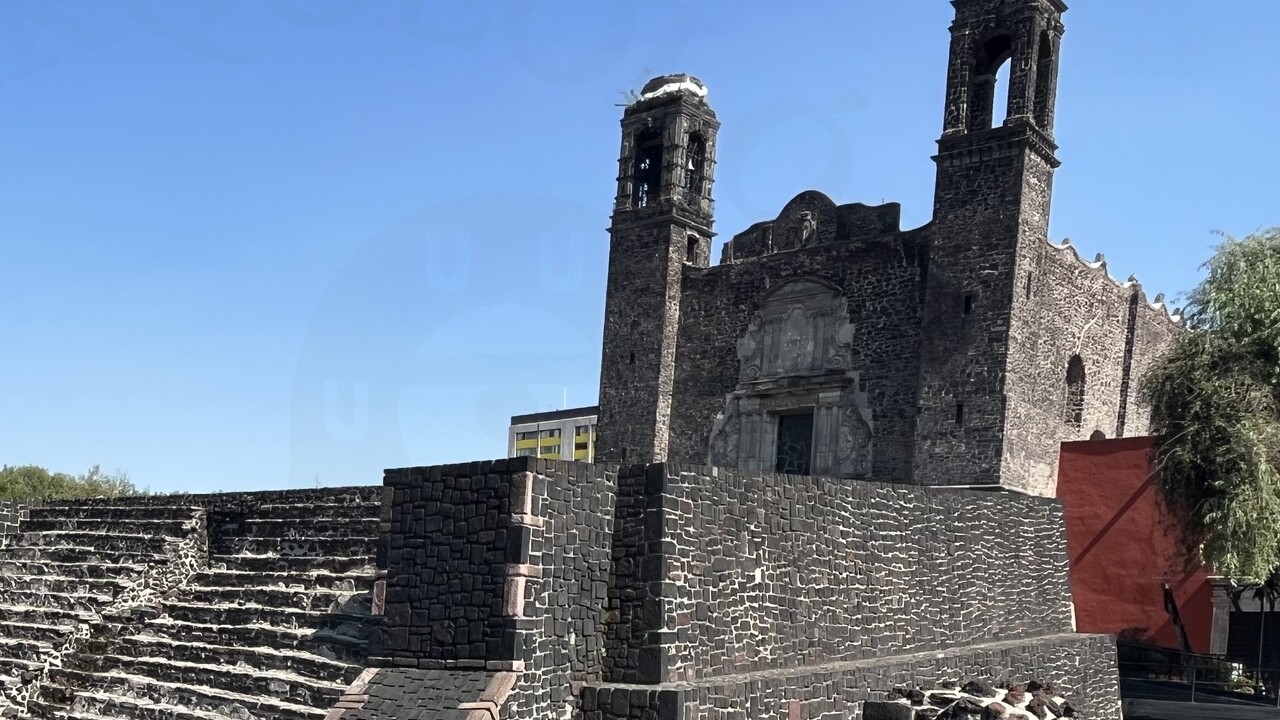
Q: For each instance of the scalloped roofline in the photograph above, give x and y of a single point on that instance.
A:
(1099, 265)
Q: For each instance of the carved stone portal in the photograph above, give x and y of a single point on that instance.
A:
(795, 357)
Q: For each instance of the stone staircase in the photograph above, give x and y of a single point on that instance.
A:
(69, 567)
(273, 626)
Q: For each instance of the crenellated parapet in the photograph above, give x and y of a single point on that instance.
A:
(811, 219)
(1099, 266)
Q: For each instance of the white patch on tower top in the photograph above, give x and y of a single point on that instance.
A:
(675, 83)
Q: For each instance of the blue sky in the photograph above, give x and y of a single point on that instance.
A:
(252, 245)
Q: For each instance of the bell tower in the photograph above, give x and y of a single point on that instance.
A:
(991, 208)
(662, 217)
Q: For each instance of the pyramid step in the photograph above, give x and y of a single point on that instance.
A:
(58, 584)
(291, 564)
(106, 541)
(16, 666)
(298, 547)
(255, 658)
(223, 679)
(320, 579)
(88, 603)
(49, 634)
(25, 649)
(103, 706)
(320, 511)
(113, 512)
(347, 643)
(105, 692)
(162, 527)
(17, 615)
(317, 527)
(78, 554)
(203, 614)
(282, 597)
(79, 570)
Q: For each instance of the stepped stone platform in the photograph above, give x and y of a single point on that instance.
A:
(522, 588)
(248, 605)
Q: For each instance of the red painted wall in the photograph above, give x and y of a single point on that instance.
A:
(1120, 548)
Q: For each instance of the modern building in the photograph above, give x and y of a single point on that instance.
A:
(556, 435)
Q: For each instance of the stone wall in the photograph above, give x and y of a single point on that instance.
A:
(502, 566)
(1069, 306)
(672, 590)
(736, 572)
(879, 277)
(1081, 666)
(12, 512)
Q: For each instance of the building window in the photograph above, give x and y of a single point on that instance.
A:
(526, 452)
(1044, 82)
(695, 167)
(546, 450)
(795, 443)
(960, 414)
(1073, 408)
(968, 304)
(581, 429)
(552, 433)
(646, 176)
(530, 435)
(991, 61)
(691, 249)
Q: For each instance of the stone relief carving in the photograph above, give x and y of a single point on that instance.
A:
(808, 228)
(796, 353)
(853, 451)
(725, 433)
(802, 329)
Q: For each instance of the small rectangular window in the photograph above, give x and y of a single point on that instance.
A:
(581, 429)
(530, 435)
(968, 304)
(959, 413)
(546, 450)
(552, 433)
(526, 452)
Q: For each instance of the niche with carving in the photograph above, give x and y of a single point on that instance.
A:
(796, 382)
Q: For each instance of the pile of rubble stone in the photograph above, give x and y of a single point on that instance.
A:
(977, 700)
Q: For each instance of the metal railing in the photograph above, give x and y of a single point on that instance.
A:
(1157, 673)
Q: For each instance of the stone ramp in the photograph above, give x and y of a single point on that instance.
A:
(62, 573)
(272, 623)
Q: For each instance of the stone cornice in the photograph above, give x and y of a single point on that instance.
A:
(997, 142)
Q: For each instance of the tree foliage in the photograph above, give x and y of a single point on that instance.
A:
(35, 482)
(1215, 403)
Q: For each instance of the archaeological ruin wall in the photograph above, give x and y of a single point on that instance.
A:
(234, 605)
(669, 590)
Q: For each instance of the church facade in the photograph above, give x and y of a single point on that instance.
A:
(831, 341)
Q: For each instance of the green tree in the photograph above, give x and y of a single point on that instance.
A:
(1215, 404)
(35, 482)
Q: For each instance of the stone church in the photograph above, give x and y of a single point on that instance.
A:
(831, 341)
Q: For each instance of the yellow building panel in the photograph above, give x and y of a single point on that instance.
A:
(527, 443)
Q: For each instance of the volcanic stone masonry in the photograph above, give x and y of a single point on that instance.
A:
(829, 340)
(774, 530)
(524, 588)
